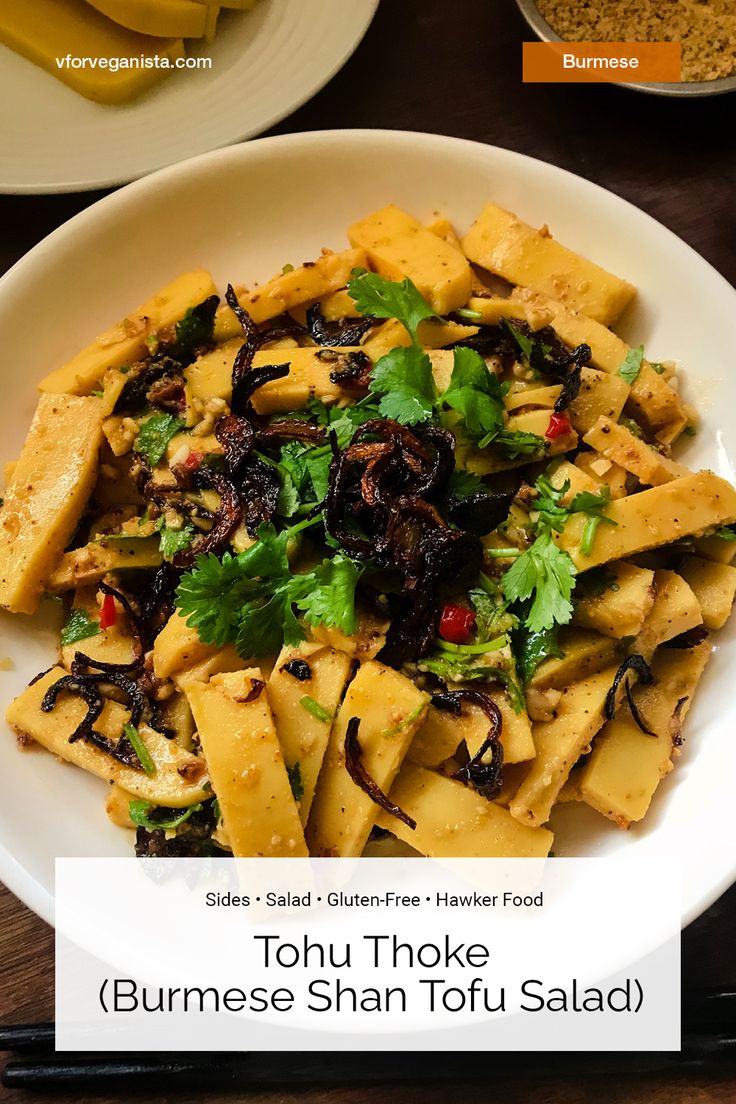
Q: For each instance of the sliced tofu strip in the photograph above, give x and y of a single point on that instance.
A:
(391, 709)
(626, 766)
(431, 334)
(222, 659)
(309, 378)
(399, 246)
(585, 653)
(453, 821)
(246, 765)
(675, 610)
(681, 508)
(364, 644)
(441, 734)
(617, 443)
(291, 289)
(621, 608)
(560, 743)
(87, 565)
(126, 342)
(178, 646)
(166, 18)
(503, 244)
(604, 472)
(111, 645)
(52, 483)
(714, 586)
(305, 689)
(180, 778)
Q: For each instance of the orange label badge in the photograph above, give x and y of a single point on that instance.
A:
(595, 62)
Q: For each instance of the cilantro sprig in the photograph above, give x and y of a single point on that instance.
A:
(631, 366)
(544, 575)
(155, 434)
(252, 600)
(404, 381)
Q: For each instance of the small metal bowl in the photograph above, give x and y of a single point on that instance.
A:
(543, 31)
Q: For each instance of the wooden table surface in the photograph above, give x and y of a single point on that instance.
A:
(454, 68)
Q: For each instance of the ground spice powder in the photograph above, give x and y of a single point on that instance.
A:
(706, 28)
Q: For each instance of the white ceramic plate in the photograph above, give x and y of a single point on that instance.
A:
(266, 63)
(245, 211)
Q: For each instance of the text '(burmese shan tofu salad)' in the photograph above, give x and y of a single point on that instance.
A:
(390, 554)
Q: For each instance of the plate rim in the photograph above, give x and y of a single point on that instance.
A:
(101, 183)
(24, 885)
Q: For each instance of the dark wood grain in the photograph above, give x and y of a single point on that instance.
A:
(454, 68)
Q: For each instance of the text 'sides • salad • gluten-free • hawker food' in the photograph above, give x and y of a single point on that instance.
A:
(392, 545)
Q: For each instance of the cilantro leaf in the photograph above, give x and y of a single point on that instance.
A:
(532, 648)
(476, 394)
(172, 541)
(518, 442)
(331, 601)
(464, 483)
(249, 600)
(378, 297)
(195, 328)
(592, 505)
(631, 365)
(295, 781)
(404, 380)
(726, 533)
(79, 626)
(547, 574)
(155, 434)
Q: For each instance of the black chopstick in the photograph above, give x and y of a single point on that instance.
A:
(274, 1070)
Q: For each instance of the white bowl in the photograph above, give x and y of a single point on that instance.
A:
(245, 211)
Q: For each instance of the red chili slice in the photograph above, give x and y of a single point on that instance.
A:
(193, 461)
(457, 624)
(559, 425)
(108, 612)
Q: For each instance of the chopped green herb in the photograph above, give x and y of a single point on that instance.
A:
(473, 315)
(690, 430)
(79, 626)
(295, 781)
(406, 721)
(726, 534)
(473, 649)
(139, 812)
(249, 599)
(173, 540)
(658, 367)
(316, 709)
(592, 505)
(139, 747)
(98, 393)
(533, 648)
(155, 434)
(196, 327)
(631, 366)
(547, 574)
(403, 378)
(286, 269)
(377, 297)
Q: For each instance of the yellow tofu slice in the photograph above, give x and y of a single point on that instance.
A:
(604, 471)
(442, 733)
(620, 445)
(180, 779)
(501, 243)
(246, 765)
(162, 18)
(622, 607)
(45, 30)
(391, 709)
(675, 610)
(87, 565)
(714, 586)
(684, 507)
(52, 482)
(178, 646)
(308, 378)
(222, 659)
(430, 333)
(320, 675)
(560, 743)
(304, 284)
(126, 342)
(398, 246)
(111, 645)
(453, 821)
(364, 644)
(656, 406)
(211, 375)
(585, 653)
(626, 766)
